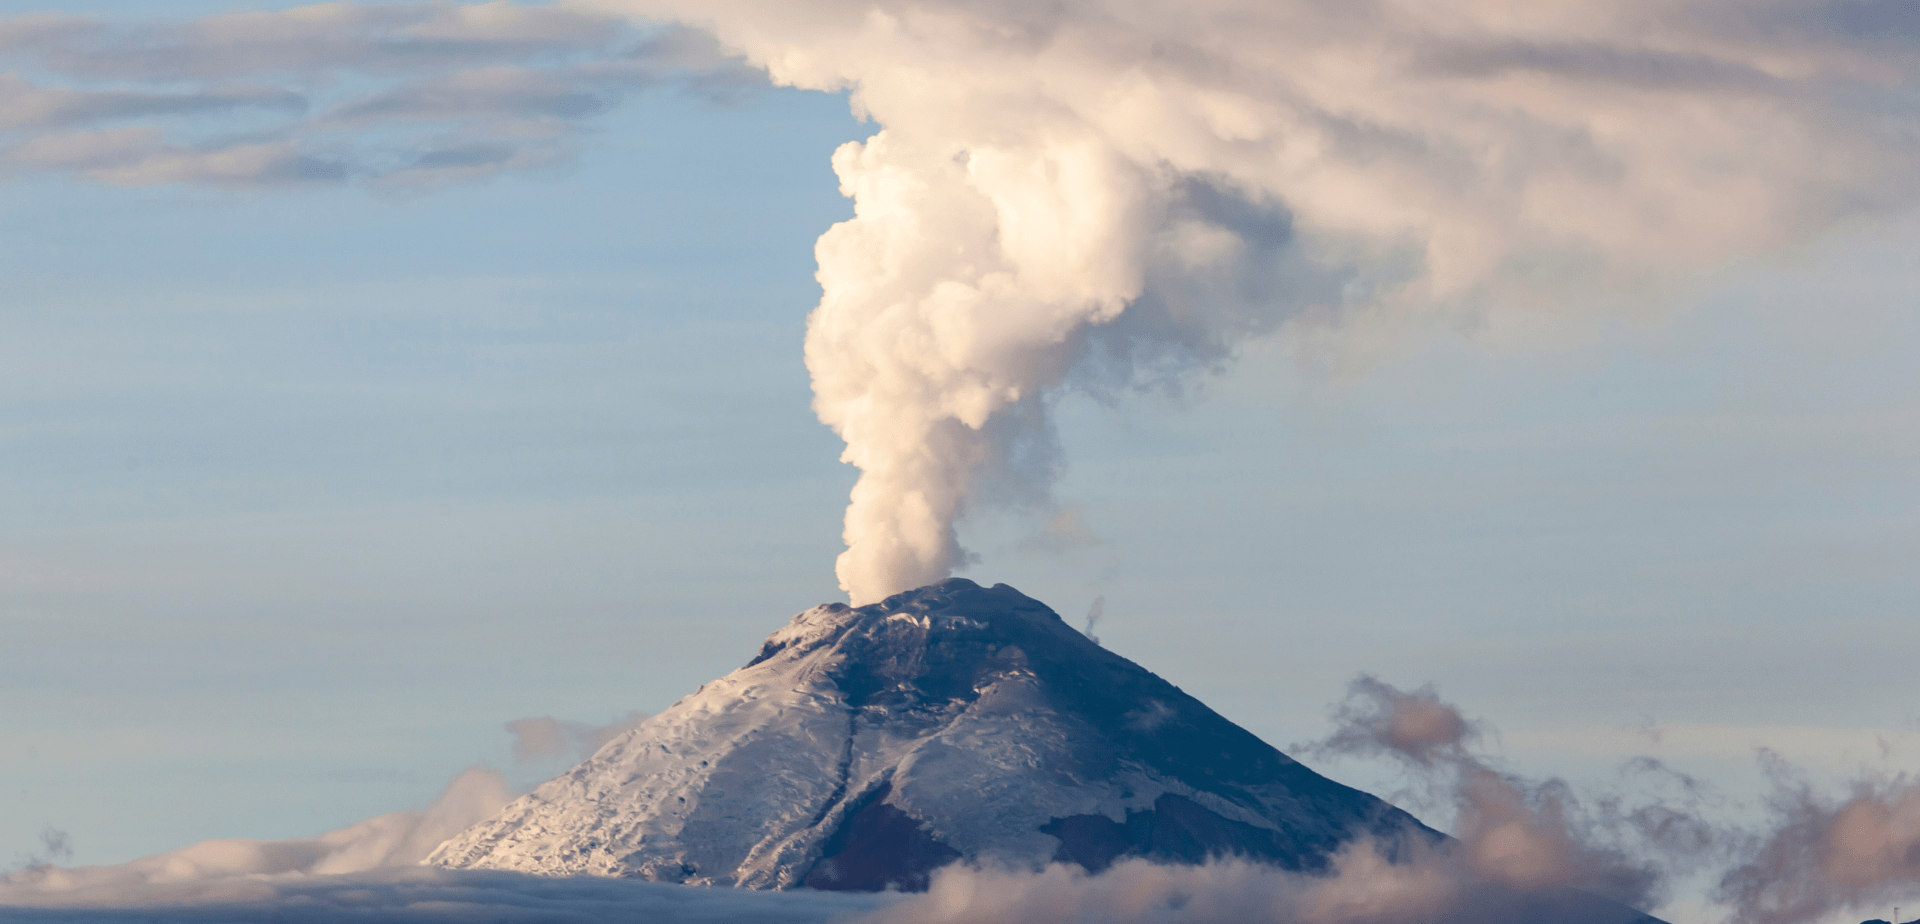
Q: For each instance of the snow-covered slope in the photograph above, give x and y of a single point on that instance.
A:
(865, 747)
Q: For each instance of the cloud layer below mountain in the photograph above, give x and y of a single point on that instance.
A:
(1522, 851)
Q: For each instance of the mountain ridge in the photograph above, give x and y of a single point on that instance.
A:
(862, 747)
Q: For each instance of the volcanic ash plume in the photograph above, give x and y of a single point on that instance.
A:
(1126, 190)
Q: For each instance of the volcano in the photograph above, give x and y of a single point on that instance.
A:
(864, 747)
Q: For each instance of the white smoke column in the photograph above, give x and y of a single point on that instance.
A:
(1132, 187)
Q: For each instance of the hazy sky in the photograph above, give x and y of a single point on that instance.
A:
(307, 487)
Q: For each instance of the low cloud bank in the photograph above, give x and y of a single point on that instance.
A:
(1362, 887)
(396, 839)
(1523, 852)
(425, 895)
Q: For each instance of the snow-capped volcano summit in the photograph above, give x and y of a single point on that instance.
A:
(863, 747)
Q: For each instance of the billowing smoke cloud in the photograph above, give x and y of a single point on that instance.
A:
(1105, 193)
(1089, 193)
(546, 737)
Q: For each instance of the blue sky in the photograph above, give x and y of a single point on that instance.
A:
(307, 490)
(273, 453)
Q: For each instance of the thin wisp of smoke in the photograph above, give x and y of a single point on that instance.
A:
(545, 737)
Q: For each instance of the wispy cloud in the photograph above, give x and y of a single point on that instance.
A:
(545, 737)
(314, 41)
(1823, 855)
(55, 847)
(24, 106)
(415, 94)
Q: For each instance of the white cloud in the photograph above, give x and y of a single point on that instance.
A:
(370, 872)
(393, 840)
